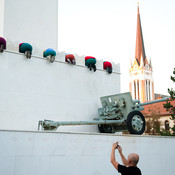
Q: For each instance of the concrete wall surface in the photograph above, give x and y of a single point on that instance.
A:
(1, 17)
(36, 153)
(34, 21)
(35, 89)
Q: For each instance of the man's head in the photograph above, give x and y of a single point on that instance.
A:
(133, 159)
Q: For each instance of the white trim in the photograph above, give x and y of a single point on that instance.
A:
(151, 95)
(140, 88)
(136, 90)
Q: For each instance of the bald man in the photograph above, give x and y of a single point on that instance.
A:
(130, 164)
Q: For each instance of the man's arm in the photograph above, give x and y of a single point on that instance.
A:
(113, 161)
(124, 160)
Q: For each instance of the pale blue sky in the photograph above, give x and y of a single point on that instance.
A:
(106, 29)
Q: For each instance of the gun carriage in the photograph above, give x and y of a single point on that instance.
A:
(118, 113)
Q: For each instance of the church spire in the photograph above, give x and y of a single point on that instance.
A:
(140, 49)
(141, 83)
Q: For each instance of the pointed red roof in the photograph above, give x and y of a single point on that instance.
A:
(139, 50)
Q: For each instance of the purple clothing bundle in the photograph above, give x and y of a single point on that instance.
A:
(3, 42)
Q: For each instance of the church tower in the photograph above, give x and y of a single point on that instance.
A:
(141, 83)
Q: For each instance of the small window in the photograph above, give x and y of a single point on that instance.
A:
(167, 127)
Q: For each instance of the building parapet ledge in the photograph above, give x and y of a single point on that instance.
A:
(79, 61)
(87, 133)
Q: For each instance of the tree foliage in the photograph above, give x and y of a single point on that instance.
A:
(153, 126)
(169, 107)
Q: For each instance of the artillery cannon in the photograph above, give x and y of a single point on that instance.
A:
(118, 113)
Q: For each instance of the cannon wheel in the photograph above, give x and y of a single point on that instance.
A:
(136, 122)
(105, 128)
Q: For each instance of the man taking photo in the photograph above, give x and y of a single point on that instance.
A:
(129, 166)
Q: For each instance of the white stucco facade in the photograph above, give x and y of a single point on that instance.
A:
(1, 17)
(35, 89)
(80, 154)
(34, 22)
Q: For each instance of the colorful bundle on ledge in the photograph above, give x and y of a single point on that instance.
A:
(69, 58)
(90, 62)
(107, 66)
(49, 54)
(25, 48)
(2, 44)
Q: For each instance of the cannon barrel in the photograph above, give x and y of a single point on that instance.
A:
(52, 125)
(150, 102)
(118, 113)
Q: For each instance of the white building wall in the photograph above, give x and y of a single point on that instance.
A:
(1, 17)
(35, 89)
(80, 154)
(34, 21)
